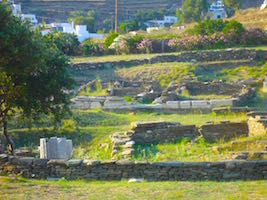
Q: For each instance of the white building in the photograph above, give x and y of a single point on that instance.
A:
(29, 17)
(79, 30)
(16, 9)
(217, 10)
(167, 21)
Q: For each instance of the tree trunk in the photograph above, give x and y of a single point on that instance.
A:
(10, 143)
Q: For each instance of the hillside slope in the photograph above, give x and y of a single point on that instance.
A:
(58, 10)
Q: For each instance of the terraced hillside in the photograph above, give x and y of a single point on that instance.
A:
(56, 10)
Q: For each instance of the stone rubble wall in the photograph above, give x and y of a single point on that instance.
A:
(161, 132)
(224, 130)
(119, 170)
(196, 56)
(257, 123)
(166, 132)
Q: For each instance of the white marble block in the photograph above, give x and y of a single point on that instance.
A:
(185, 104)
(55, 148)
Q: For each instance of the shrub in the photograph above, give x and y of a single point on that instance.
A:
(145, 46)
(66, 42)
(217, 40)
(110, 39)
(126, 44)
(253, 36)
(234, 26)
(208, 27)
(68, 127)
(90, 48)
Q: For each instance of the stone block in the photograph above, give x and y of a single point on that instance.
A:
(95, 105)
(172, 104)
(185, 104)
(200, 104)
(55, 148)
(114, 102)
(74, 162)
(221, 102)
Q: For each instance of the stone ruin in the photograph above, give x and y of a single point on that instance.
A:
(265, 83)
(165, 132)
(55, 148)
(257, 123)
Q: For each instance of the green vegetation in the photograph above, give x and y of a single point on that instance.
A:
(20, 188)
(90, 130)
(33, 73)
(209, 27)
(192, 10)
(65, 42)
(85, 18)
(198, 150)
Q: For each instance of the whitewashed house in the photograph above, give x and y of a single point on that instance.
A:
(167, 21)
(16, 9)
(217, 10)
(79, 30)
(29, 17)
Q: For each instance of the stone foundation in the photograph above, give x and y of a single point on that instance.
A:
(166, 132)
(257, 123)
(118, 170)
(224, 130)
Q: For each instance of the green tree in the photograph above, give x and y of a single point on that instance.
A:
(233, 4)
(66, 42)
(33, 73)
(192, 10)
(83, 18)
(129, 26)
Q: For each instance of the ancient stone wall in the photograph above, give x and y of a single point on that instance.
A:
(118, 170)
(197, 56)
(224, 130)
(161, 132)
(257, 123)
(166, 132)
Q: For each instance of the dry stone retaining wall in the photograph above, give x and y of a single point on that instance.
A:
(118, 170)
(199, 56)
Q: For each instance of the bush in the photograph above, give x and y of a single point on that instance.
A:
(208, 27)
(253, 36)
(110, 39)
(145, 46)
(68, 127)
(65, 42)
(90, 48)
(199, 42)
(126, 44)
(234, 26)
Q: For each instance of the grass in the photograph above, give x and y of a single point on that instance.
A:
(252, 18)
(93, 128)
(112, 58)
(20, 188)
(185, 94)
(128, 57)
(199, 150)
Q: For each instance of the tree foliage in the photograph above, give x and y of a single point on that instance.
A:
(66, 42)
(192, 10)
(33, 73)
(233, 4)
(83, 18)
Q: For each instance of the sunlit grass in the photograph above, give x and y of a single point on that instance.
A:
(20, 188)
